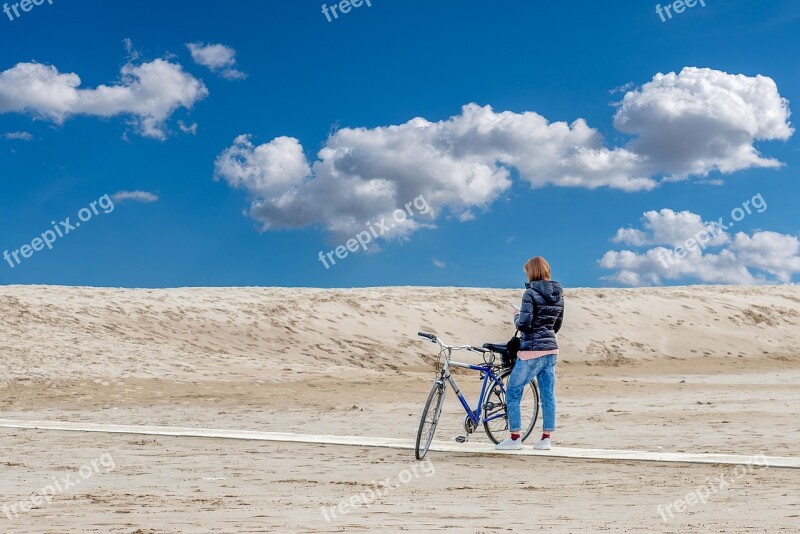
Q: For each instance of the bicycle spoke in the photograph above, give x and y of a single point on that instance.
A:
(495, 410)
(430, 419)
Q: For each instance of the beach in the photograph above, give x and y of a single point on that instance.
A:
(709, 369)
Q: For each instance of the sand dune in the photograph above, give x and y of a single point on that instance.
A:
(271, 333)
(694, 369)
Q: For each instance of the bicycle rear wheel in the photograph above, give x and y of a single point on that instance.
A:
(495, 413)
(430, 418)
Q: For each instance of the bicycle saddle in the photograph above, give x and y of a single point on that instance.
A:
(496, 347)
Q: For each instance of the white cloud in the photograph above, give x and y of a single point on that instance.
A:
(219, 58)
(132, 54)
(760, 257)
(777, 254)
(667, 227)
(624, 88)
(653, 268)
(18, 136)
(438, 263)
(463, 164)
(149, 92)
(460, 165)
(701, 120)
(286, 192)
(188, 128)
(134, 196)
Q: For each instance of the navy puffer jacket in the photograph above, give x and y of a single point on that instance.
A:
(540, 315)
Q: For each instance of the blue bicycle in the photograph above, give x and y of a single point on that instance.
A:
(491, 408)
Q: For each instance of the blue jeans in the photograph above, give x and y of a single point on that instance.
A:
(544, 370)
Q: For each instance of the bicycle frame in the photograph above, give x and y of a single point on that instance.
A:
(491, 400)
(476, 416)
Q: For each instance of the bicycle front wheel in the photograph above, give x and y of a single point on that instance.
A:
(495, 412)
(430, 418)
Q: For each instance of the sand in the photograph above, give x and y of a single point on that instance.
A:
(689, 369)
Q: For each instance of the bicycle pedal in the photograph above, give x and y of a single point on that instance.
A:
(461, 439)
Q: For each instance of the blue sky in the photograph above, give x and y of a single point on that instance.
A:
(307, 79)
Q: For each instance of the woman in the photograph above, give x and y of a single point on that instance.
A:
(538, 320)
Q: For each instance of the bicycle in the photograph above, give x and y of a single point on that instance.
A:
(491, 408)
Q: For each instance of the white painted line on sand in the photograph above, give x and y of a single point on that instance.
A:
(397, 443)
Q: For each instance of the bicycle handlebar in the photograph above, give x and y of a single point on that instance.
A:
(434, 339)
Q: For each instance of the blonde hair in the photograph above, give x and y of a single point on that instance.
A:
(537, 269)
